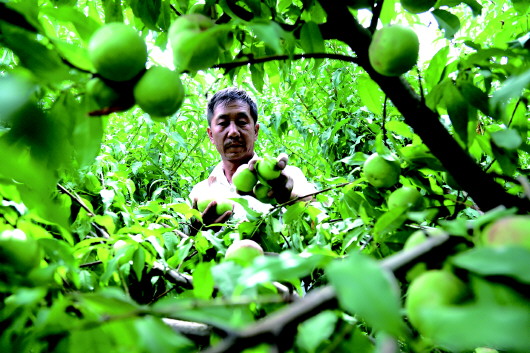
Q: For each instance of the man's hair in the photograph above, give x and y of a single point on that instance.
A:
(229, 95)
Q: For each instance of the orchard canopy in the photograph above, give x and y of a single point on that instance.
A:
(95, 172)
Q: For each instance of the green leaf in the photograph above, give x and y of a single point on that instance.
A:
(84, 25)
(474, 96)
(365, 289)
(293, 212)
(512, 261)
(508, 139)
(449, 23)
(458, 110)
(389, 222)
(157, 337)
(436, 68)
(521, 6)
(463, 328)
(311, 38)
(139, 262)
(316, 330)
(113, 11)
(475, 7)
(147, 11)
(511, 88)
(371, 95)
(203, 283)
(270, 33)
(45, 64)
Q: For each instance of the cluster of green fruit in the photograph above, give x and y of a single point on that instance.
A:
(436, 295)
(119, 56)
(222, 204)
(257, 181)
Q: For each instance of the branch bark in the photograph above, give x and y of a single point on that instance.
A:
(481, 187)
(232, 65)
(280, 327)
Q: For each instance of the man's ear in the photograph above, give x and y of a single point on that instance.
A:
(256, 129)
(210, 134)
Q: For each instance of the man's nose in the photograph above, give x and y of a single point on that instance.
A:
(233, 130)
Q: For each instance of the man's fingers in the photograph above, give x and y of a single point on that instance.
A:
(252, 164)
(282, 159)
(224, 217)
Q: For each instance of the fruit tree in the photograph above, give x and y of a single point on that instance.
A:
(409, 117)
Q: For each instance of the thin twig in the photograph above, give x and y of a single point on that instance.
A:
(231, 65)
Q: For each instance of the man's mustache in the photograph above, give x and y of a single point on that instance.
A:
(234, 144)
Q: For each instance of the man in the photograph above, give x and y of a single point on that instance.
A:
(233, 129)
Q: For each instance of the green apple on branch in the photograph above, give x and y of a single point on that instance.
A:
(406, 197)
(381, 172)
(159, 92)
(117, 52)
(394, 50)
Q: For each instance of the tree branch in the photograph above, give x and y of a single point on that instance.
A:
(481, 187)
(231, 65)
(279, 327)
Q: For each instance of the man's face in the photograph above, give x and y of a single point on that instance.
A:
(232, 131)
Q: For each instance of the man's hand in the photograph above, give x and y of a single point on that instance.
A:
(281, 187)
(209, 216)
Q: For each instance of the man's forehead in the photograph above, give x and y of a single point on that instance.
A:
(237, 105)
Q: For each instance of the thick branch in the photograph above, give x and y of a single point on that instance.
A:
(486, 193)
(279, 327)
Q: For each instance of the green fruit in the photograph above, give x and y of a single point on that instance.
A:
(407, 197)
(381, 172)
(194, 42)
(394, 50)
(417, 6)
(420, 236)
(222, 206)
(19, 251)
(243, 251)
(433, 288)
(261, 191)
(244, 179)
(159, 92)
(203, 203)
(510, 230)
(266, 168)
(106, 95)
(117, 52)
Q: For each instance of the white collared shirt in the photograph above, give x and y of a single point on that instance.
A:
(217, 186)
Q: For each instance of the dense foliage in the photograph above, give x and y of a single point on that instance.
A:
(95, 252)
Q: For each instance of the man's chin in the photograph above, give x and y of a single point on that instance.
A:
(237, 155)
